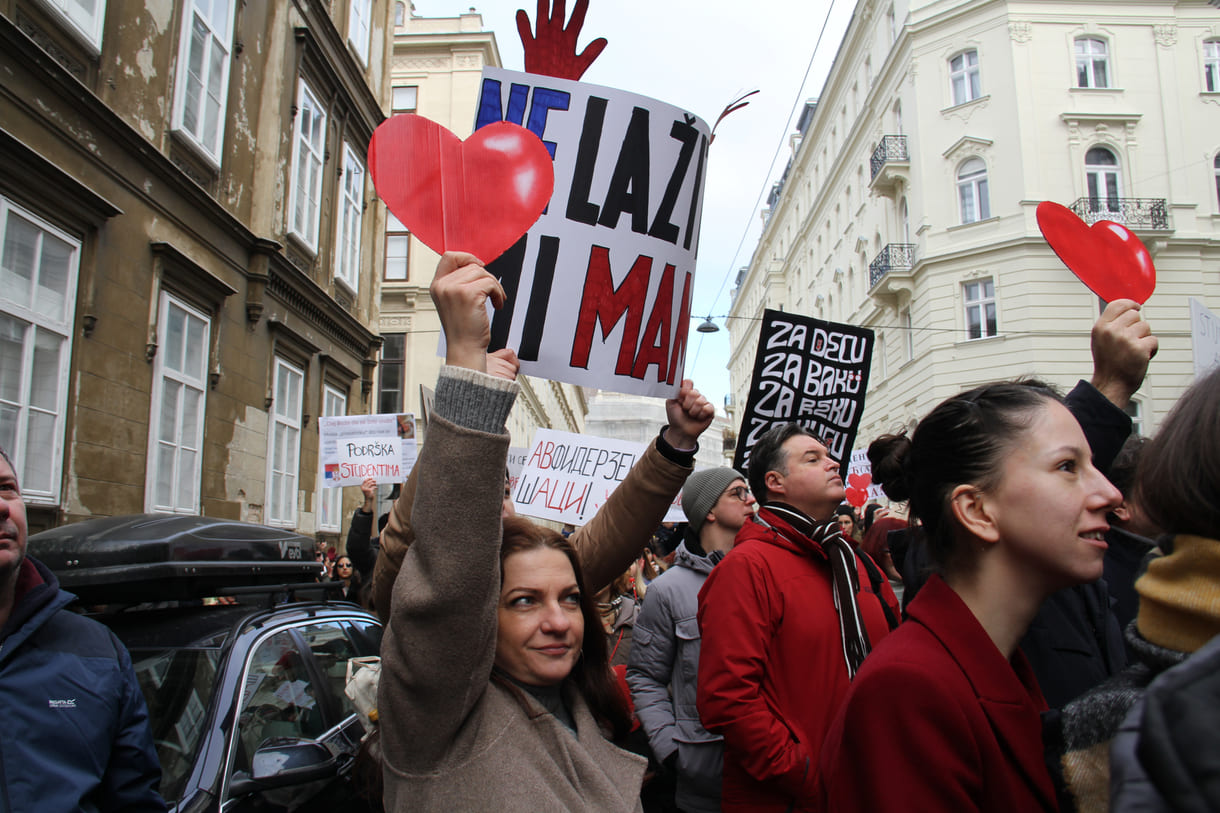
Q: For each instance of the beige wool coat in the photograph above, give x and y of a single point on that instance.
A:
(453, 738)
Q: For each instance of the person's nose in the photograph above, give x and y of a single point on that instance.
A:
(750, 499)
(555, 619)
(1105, 496)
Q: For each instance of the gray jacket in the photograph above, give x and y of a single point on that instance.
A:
(1166, 754)
(665, 652)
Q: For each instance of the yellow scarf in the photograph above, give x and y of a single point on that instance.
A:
(1180, 595)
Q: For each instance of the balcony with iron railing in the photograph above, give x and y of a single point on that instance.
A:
(894, 257)
(1150, 214)
(890, 164)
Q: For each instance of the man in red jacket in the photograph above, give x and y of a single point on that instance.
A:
(777, 656)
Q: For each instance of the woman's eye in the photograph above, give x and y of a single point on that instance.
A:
(572, 599)
(521, 601)
(1068, 466)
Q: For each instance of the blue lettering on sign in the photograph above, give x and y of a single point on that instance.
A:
(544, 101)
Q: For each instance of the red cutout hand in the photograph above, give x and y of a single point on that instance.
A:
(552, 51)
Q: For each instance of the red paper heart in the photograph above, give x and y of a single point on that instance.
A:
(1107, 257)
(856, 497)
(479, 195)
(862, 480)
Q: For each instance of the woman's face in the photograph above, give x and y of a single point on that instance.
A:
(846, 526)
(541, 629)
(1050, 503)
(343, 568)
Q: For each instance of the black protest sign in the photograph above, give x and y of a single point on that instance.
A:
(811, 372)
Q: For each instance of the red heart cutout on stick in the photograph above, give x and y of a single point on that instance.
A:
(862, 480)
(479, 195)
(856, 497)
(1106, 256)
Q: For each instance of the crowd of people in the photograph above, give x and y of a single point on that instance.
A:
(1032, 623)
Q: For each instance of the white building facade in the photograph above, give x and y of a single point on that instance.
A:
(909, 202)
(435, 70)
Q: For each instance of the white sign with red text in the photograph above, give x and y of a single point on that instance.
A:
(353, 448)
(568, 477)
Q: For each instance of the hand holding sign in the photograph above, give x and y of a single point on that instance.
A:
(689, 414)
(552, 51)
(1122, 345)
(1107, 257)
(460, 290)
(479, 195)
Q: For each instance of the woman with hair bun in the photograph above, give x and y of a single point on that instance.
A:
(1013, 509)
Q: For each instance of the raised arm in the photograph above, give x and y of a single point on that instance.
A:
(1122, 345)
(622, 527)
(398, 534)
(439, 645)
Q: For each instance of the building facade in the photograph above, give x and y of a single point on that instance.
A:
(435, 69)
(908, 205)
(187, 276)
(638, 418)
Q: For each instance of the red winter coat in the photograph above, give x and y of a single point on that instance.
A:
(771, 667)
(939, 720)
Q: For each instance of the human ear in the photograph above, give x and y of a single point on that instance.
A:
(711, 517)
(1122, 511)
(972, 512)
(774, 482)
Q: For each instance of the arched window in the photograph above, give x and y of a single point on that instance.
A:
(972, 191)
(1092, 63)
(400, 14)
(1211, 65)
(1101, 176)
(904, 217)
(964, 77)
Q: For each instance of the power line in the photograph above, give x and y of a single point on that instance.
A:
(798, 104)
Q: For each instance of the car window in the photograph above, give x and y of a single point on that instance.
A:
(279, 699)
(368, 636)
(332, 648)
(177, 686)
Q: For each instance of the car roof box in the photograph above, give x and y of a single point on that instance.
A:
(165, 557)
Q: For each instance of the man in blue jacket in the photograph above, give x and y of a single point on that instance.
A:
(76, 727)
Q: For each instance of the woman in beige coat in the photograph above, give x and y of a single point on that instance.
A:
(492, 694)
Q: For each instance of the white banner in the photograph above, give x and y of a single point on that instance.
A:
(568, 477)
(600, 288)
(356, 447)
(1204, 338)
(859, 481)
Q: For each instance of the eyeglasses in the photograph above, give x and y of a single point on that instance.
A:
(343, 566)
(738, 493)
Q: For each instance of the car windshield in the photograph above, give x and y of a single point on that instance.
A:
(177, 685)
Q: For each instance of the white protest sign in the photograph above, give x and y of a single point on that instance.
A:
(859, 480)
(517, 455)
(356, 447)
(568, 477)
(1204, 338)
(600, 288)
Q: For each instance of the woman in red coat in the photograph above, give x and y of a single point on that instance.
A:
(944, 714)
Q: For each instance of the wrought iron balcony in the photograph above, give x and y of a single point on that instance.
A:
(1135, 213)
(894, 256)
(890, 148)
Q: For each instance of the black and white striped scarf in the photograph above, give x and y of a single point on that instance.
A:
(846, 580)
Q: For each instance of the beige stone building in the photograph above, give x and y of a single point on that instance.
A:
(186, 280)
(908, 203)
(435, 71)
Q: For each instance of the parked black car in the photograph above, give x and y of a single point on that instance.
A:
(245, 692)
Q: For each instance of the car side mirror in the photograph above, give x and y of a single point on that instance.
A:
(284, 761)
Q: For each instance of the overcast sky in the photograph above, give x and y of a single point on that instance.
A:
(700, 56)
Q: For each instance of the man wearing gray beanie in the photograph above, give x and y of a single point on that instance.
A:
(665, 644)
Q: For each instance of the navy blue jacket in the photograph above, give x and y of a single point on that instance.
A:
(76, 733)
